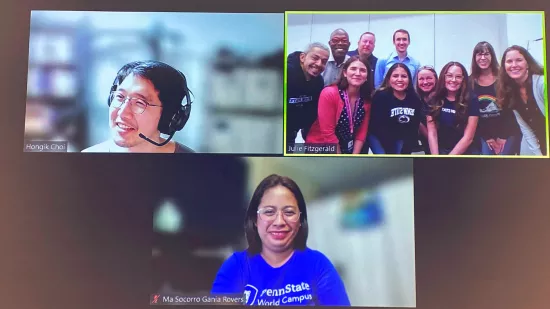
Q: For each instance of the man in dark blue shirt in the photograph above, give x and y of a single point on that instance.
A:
(365, 48)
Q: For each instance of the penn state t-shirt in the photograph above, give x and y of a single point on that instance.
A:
(393, 119)
(451, 127)
(308, 278)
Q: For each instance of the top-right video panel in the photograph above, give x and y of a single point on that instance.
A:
(470, 84)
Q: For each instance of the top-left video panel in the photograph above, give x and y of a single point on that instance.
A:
(155, 82)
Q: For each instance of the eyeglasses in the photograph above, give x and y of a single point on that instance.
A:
(270, 214)
(481, 55)
(426, 67)
(451, 77)
(137, 105)
(336, 41)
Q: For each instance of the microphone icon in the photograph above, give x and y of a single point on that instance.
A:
(155, 299)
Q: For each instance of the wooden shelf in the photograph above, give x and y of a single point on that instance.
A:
(245, 111)
(53, 66)
(51, 100)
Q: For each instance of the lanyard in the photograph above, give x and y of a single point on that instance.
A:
(348, 108)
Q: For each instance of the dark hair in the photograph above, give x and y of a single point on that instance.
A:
(461, 101)
(385, 86)
(250, 228)
(170, 83)
(483, 47)
(423, 95)
(508, 89)
(365, 90)
(402, 31)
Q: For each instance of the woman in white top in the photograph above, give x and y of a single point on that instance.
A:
(521, 88)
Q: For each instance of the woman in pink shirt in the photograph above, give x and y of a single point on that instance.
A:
(344, 110)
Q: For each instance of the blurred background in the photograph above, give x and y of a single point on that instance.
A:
(233, 64)
(361, 216)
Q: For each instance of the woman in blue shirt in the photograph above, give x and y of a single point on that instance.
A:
(278, 268)
(452, 117)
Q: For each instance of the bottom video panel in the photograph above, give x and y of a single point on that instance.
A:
(287, 231)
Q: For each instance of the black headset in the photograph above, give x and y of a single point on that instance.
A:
(170, 122)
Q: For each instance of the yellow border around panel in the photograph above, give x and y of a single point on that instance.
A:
(410, 156)
(417, 156)
(284, 84)
(411, 12)
(545, 81)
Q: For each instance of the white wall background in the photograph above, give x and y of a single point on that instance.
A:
(377, 265)
(435, 38)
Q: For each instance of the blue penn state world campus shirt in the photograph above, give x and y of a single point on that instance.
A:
(308, 278)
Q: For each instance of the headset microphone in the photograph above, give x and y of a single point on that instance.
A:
(171, 120)
(155, 143)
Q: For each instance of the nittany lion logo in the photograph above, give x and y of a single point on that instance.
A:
(250, 294)
(404, 119)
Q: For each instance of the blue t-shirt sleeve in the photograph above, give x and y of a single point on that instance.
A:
(473, 107)
(330, 287)
(379, 73)
(229, 278)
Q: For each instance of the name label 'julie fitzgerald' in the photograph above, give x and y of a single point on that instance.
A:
(312, 148)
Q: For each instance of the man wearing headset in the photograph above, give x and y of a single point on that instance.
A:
(146, 99)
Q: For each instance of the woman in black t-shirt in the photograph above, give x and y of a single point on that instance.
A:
(395, 113)
(452, 117)
(521, 88)
(426, 80)
(497, 131)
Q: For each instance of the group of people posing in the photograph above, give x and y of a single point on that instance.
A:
(359, 102)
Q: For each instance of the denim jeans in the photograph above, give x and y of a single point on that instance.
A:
(511, 147)
(377, 148)
(471, 151)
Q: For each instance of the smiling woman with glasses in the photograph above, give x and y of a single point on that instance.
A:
(278, 268)
(497, 131)
(452, 118)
